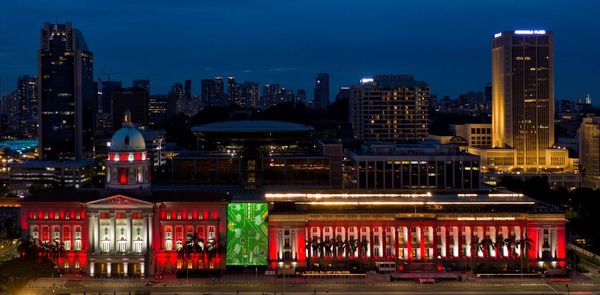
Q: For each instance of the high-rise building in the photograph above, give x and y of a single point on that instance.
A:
(589, 147)
(131, 100)
(158, 109)
(301, 96)
(391, 108)
(143, 84)
(321, 98)
(107, 89)
(523, 112)
(344, 93)
(487, 94)
(271, 95)
(24, 115)
(187, 89)
(288, 95)
(523, 94)
(175, 99)
(233, 91)
(66, 93)
(211, 92)
(250, 95)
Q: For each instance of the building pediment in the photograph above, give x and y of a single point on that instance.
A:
(120, 202)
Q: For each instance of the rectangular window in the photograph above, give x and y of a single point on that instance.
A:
(105, 246)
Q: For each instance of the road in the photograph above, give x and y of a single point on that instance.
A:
(267, 285)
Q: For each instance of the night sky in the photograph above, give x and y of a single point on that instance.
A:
(446, 43)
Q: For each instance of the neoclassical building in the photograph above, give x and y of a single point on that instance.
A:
(316, 229)
(133, 229)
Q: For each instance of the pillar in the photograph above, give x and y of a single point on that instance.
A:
(98, 234)
(91, 269)
(383, 239)
(307, 242)
(113, 223)
(370, 248)
(422, 242)
(90, 232)
(108, 268)
(409, 242)
(435, 252)
(149, 227)
(129, 233)
(397, 242)
(145, 230)
(142, 269)
(125, 264)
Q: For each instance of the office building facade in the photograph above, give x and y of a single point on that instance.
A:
(523, 94)
(321, 95)
(390, 108)
(67, 111)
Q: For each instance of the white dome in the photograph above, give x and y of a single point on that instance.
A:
(127, 139)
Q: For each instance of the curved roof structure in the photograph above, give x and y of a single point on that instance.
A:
(127, 139)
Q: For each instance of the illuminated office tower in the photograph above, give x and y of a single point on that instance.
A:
(67, 111)
(523, 95)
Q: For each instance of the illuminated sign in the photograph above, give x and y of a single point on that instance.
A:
(530, 32)
(486, 218)
(247, 234)
(505, 195)
(366, 80)
(497, 35)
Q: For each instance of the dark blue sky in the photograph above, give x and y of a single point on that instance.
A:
(446, 43)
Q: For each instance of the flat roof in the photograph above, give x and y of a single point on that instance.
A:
(57, 164)
(252, 126)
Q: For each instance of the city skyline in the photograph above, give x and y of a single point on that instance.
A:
(455, 60)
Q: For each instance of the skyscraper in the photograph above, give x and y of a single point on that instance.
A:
(211, 92)
(391, 108)
(66, 99)
(134, 100)
(523, 94)
(321, 98)
(271, 95)
(301, 96)
(143, 84)
(487, 92)
(175, 99)
(250, 95)
(187, 89)
(233, 91)
(25, 114)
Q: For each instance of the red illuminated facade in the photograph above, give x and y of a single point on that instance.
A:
(125, 236)
(415, 231)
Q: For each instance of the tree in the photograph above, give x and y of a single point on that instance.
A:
(486, 245)
(364, 246)
(15, 273)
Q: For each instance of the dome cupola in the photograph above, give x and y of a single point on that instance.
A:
(128, 166)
